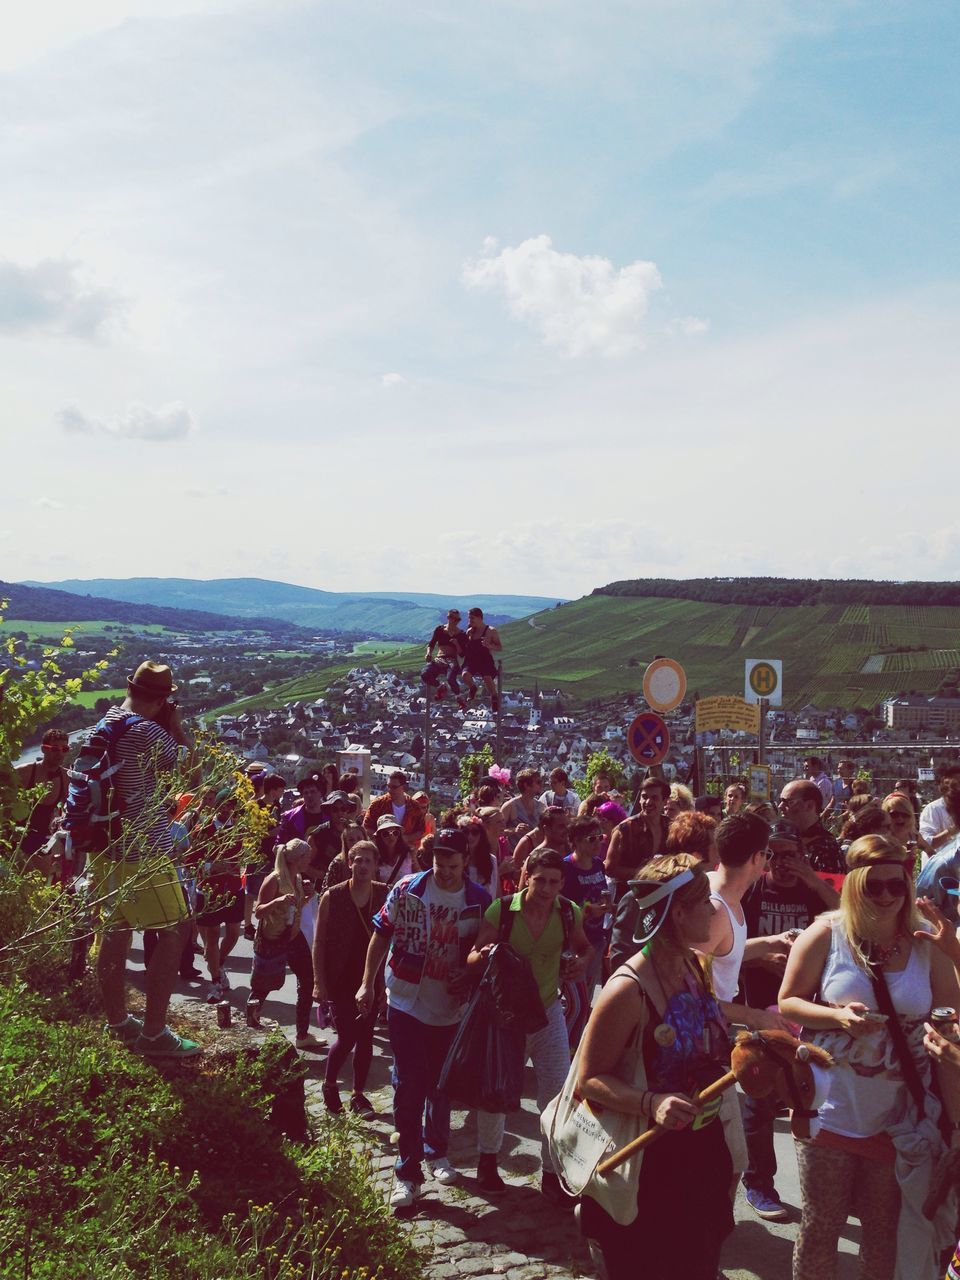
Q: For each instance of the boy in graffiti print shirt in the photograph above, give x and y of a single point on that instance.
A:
(789, 895)
(425, 930)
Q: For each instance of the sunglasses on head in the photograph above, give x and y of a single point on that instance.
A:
(876, 887)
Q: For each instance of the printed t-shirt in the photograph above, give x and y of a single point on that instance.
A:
(543, 952)
(771, 909)
(434, 1004)
(586, 884)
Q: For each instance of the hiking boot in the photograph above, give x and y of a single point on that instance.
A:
(332, 1100)
(127, 1032)
(249, 932)
(488, 1176)
(191, 975)
(404, 1194)
(166, 1045)
(766, 1204)
(362, 1106)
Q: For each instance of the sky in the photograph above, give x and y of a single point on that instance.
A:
(523, 296)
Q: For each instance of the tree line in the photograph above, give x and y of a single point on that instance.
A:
(787, 591)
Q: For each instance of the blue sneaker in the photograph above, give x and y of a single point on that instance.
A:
(766, 1204)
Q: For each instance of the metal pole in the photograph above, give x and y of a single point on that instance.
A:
(426, 743)
(499, 750)
(762, 735)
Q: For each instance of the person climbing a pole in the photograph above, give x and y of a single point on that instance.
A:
(482, 642)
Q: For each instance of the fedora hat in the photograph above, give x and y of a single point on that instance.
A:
(153, 679)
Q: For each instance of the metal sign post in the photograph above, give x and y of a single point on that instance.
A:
(426, 744)
(762, 732)
(499, 751)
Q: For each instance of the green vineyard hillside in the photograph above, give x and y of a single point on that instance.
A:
(596, 647)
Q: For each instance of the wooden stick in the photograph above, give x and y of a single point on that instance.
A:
(655, 1131)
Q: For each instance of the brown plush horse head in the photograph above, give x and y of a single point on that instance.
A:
(777, 1064)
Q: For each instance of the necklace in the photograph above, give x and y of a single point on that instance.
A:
(882, 955)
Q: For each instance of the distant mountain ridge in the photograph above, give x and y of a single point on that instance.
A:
(397, 615)
(787, 591)
(47, 604)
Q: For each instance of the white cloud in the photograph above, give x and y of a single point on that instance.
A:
(49, 504)
(581, 305)
(168, 422)
(52, 296)
(390, 381)
(689, 326)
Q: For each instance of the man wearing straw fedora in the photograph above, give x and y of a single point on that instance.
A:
(136, 873)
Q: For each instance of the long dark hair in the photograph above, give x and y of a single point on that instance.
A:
(480, 854)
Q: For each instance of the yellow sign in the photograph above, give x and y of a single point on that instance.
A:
(758, 776)
(727, 712)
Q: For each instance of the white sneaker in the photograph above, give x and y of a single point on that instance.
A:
(215, 994)
(404, 1194)
(444, 1172)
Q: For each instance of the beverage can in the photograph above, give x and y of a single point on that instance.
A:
(944, 1020)
(223, 1014)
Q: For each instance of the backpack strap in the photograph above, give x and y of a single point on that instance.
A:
(506, 918)
(568, 920)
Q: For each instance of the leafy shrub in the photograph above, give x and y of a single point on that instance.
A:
(110, 1168)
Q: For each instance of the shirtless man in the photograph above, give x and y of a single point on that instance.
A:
(441, 672)
(482, 642)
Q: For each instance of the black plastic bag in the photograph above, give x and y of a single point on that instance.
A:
(483, 1070)
(514, 990)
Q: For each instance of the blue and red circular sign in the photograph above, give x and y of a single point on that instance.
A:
(648, 738)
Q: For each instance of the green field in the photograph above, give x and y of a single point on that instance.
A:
(377, 648)
(584, 649)
(54, 630)
(88, 697)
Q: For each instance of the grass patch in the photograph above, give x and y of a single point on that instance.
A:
(111, 1168)
(54, 630)
(89, 697)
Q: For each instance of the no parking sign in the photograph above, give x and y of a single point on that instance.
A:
(648, 738)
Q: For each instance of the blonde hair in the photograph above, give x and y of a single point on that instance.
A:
(682, 796)
(858, 916)
(288, 880)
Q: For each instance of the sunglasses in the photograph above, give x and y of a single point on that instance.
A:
(895, 886)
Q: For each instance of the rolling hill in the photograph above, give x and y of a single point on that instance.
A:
(44, 604)
(597, 647)
(392, 615)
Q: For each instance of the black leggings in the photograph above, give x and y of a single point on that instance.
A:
(301, 966)
(352, 1033)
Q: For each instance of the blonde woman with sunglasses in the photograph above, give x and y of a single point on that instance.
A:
(903, 824)
(878, 1135)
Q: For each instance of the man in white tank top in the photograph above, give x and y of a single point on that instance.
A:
(742, 846)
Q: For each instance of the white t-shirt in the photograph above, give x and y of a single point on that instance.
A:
(434, 1004)
(934, 819)
(398, 811)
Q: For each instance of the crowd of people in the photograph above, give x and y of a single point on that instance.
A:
(650, 925)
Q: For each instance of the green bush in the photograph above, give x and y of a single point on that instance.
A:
(111, 1169)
